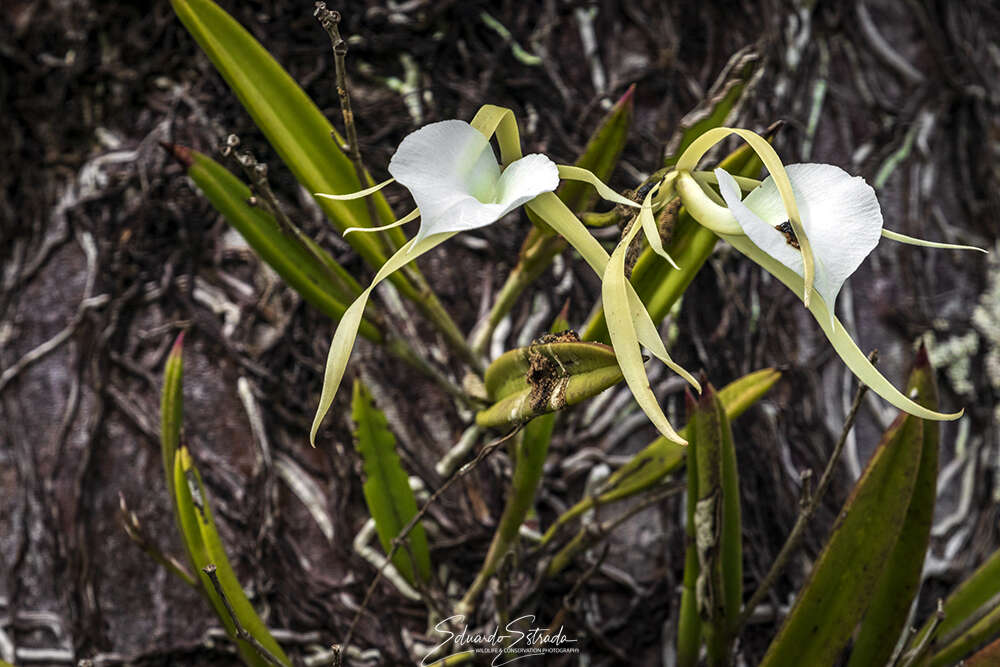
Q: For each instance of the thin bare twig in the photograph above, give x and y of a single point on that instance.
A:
(330, 20)
(806, 511)
(241, 632)
(400, 539)
(925, 643)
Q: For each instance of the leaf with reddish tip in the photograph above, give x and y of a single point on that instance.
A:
(844, 578)
(204, 547)
(886, 617)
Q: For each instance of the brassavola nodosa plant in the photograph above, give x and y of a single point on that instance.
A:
(810, 225)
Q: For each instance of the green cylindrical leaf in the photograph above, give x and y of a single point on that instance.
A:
(326, 286)
(387, 488)
(546, 377)
(718, 588)
(900, 582)
(172, 409)
(844, 578)
(689, 620)
(205, 548)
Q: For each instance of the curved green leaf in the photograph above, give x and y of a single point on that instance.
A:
(965, 602)
(718, 543)
(292, 123)
(688, 619)
(172, 409)
(546, 377)
(886, 617)
(387, 488)
(205, 548)
(844, 578)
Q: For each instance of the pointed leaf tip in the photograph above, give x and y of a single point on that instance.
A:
(181, 153)
(627, 98)
(178, 346)
(922, 360)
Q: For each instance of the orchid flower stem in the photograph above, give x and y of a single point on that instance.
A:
(330, 20)
(427, 301)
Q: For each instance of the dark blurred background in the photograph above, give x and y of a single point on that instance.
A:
(107, 252)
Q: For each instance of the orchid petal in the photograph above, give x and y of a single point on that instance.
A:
(650, 229)
(409, 217)
(347, 329)
(840, 214)
(572, 173)
(557, 215)
(355, 195)
(911, 240)
(835, 332)
(450, 169)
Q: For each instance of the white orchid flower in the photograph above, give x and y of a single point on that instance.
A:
(840, 214)
(809, 225)
(454, 177)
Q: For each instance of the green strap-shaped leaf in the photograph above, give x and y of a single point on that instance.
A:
(689, 620)
(387, 488)
(205, 548)
(172, 409)
(601, 154)
(900, 582)
(844, 578)
(965, 600)
(979, 634)
(986, 657)
(534, 380)
(718, 586)
(661, 457)
(311, 272)
(292, 123)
